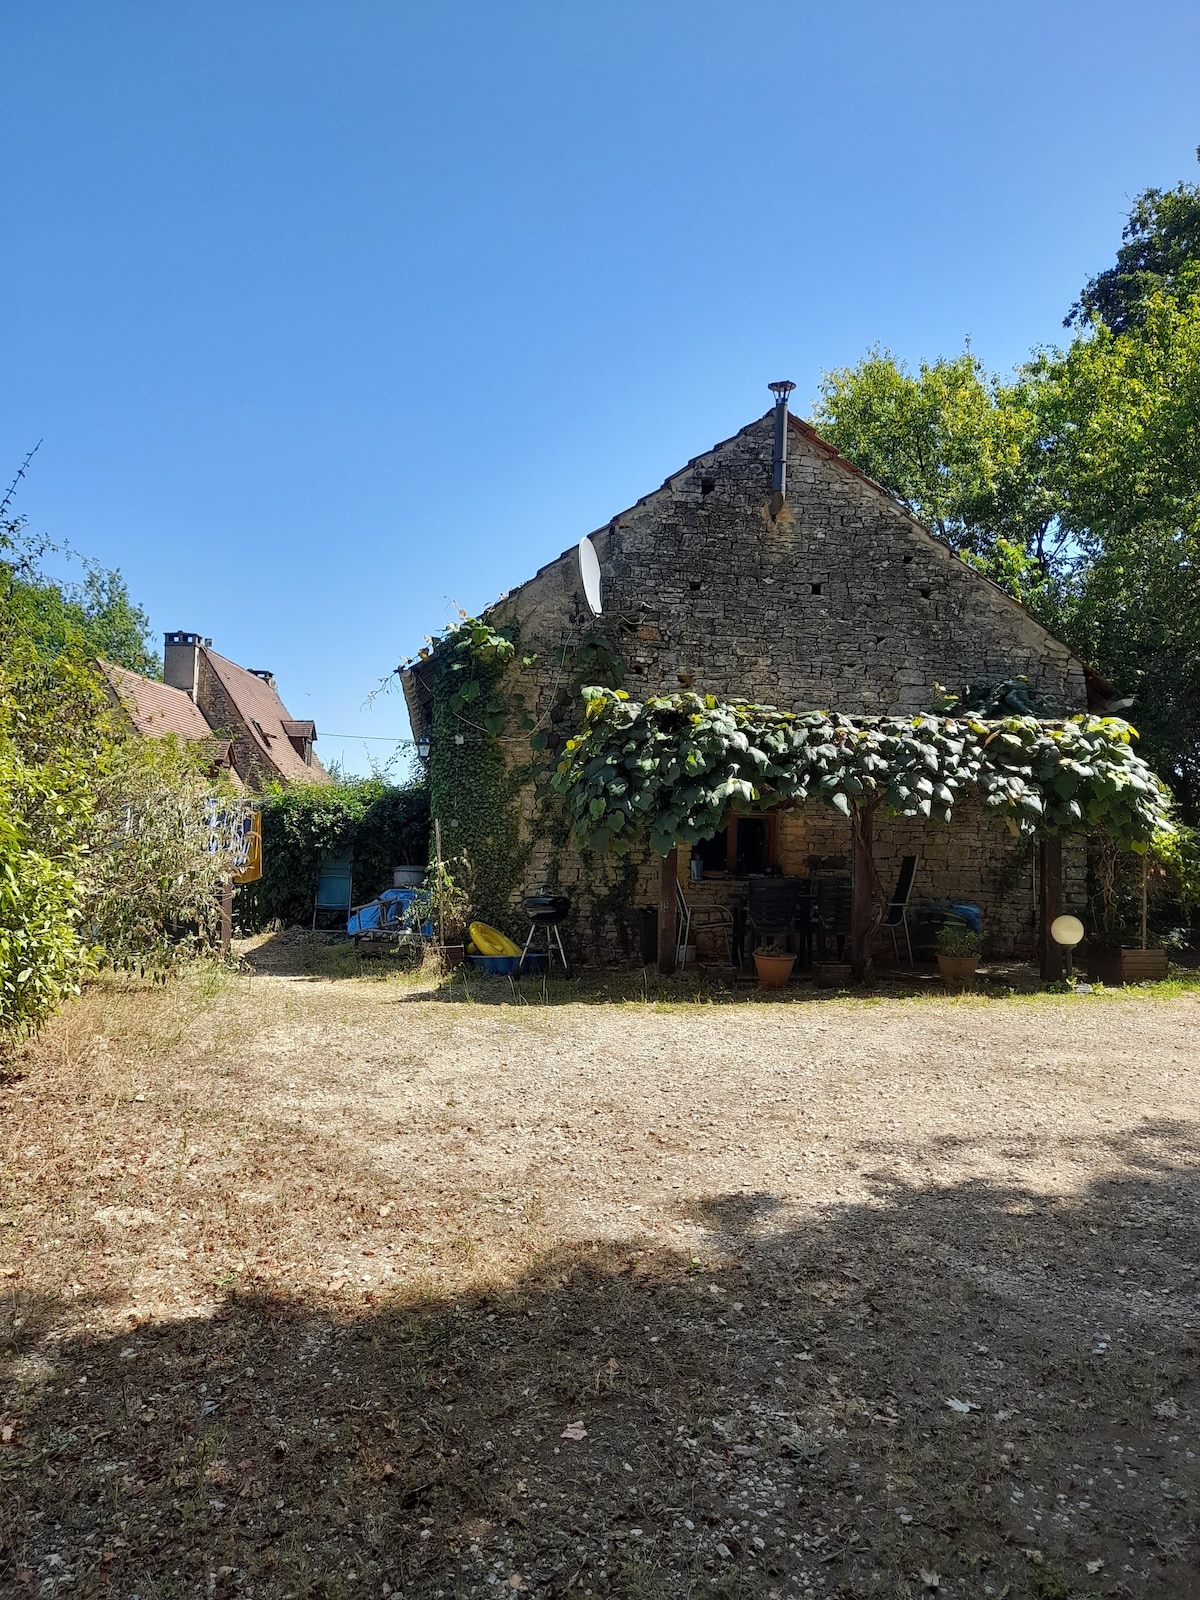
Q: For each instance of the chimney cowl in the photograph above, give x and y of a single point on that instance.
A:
(780, 390)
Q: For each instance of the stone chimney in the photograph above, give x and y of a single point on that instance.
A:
(181, 661)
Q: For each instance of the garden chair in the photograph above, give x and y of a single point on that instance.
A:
(772, 907)
(335, 887)
(896, 915)
(688, 922)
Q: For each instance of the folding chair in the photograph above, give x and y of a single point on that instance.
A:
(709, 917)
(334, 888)
(896, 915)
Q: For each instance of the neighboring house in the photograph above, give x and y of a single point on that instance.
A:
(784, 576)
(204, 697)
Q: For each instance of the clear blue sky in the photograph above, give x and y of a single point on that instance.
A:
(336, 316)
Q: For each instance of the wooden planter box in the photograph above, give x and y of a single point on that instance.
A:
(832, 975)
(1111, 966)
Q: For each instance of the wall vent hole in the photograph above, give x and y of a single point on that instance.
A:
(816, 588)
(707, 485)
(907, 559)
(926, 593)
(695, 583)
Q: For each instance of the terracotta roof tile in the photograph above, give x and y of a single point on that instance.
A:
(155, 709)
(267, 719)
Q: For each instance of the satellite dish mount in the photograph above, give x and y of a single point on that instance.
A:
(589, 572)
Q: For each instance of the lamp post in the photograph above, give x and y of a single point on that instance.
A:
(1067, 931)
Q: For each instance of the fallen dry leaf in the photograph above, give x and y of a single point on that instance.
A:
(574, 1430)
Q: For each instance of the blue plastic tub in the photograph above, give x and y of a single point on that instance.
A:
(504, 965)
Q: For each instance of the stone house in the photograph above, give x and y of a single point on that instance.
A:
(204, 697)
(771, 569)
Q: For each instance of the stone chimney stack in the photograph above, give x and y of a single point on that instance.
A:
(181, 662)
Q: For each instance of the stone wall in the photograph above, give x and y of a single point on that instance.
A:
(840, 602)
(255, 771)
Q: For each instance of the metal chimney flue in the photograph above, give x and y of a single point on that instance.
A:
(780, 390)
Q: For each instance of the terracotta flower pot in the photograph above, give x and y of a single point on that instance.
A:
(957, 971)
(773, 969)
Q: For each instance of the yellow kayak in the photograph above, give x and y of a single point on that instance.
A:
(491, 942)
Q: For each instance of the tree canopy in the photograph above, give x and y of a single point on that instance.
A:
(1075, 483)
(1159, 254)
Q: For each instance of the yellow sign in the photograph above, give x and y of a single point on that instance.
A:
(251, 869)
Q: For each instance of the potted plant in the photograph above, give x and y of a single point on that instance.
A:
(957, 954)
(774, 967)
(1109, 960)
(446, 903)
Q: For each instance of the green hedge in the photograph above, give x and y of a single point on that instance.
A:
(382, 826)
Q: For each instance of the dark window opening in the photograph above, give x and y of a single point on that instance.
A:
(907, 559)
(752, 844)
(743, 846)
(926, 593)
(695, 583)
(707, 485)
(816, 588)
(713, 852)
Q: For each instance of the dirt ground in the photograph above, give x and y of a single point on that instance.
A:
(326, 1284)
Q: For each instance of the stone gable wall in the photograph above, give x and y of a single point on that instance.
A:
(841, 602)
(252, 766)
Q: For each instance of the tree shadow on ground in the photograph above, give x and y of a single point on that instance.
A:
(973, 1389)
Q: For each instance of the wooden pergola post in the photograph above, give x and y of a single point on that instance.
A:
(668, 883)
(1050, 960)
(862, 899)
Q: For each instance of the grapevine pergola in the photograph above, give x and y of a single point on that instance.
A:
(668, 771)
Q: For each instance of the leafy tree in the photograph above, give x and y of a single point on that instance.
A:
(94, 618)
(1160, 254)
(1076, 486)
(932, 438)
(962, 451)
(1117, 421)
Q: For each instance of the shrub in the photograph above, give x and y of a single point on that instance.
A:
(41, 958)
(158, 853)
(953, 940)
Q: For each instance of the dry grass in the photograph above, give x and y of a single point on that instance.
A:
(305, 1275)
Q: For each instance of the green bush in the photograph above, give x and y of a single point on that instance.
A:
(41, 957)
(955, 941)
(379, 825)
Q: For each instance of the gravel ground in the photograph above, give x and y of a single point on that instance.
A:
(340, 1286)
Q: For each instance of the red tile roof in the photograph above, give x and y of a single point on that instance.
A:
(267, 719)
(155, 709)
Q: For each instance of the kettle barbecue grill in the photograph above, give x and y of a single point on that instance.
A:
(545, 910)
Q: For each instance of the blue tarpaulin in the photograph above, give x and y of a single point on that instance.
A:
(392, 911)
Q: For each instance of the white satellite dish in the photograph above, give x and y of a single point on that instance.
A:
(589, 571)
